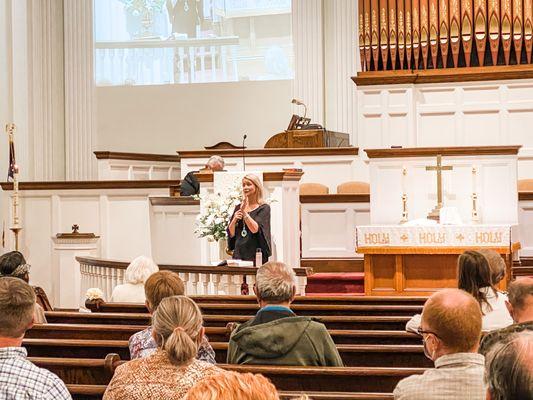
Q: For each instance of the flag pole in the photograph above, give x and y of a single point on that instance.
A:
(13, 173)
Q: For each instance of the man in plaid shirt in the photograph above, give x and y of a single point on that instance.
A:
(19, 378)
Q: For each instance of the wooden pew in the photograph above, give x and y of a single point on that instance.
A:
(353, 355)
(215, 334)
(94, 392)
(331, 322)
(316, 379)
(251, 309)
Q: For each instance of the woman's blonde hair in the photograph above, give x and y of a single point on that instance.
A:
(259, 189)
(177, 323)
(231, 385)
(140, 270)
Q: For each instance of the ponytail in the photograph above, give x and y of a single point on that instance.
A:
(177, 322)
(180, 347)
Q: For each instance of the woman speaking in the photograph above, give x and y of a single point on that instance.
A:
(249, 227)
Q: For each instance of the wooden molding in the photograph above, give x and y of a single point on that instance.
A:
(67, 185)
(470, 74)
(205, 269)
(333, 264)
(174, 201)
(115, 155)
(525, 196)
(444, 151)
(223, 145)
(305, 151)
(335, 198)
(285, 175)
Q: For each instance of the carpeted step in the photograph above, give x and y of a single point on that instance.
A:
(336, 283)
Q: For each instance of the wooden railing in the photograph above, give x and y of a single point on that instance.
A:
(429, 34)
(166, 61)
(199, 280)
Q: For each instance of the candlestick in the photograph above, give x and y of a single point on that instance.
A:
(13, 173)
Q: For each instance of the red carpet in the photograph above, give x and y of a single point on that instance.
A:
(336, 284)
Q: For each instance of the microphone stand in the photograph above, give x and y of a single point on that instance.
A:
(243, 154)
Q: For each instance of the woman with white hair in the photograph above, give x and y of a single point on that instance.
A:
(249, 227)
(132, 291)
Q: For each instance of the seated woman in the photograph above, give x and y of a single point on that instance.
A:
(474, 277)
(496, 265)
(14, 264)
(132, 291)
(249, 227)
(159, 286)
(173, 369)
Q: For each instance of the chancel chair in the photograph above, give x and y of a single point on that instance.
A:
(313, 188)
(353, 187)
(525, 185)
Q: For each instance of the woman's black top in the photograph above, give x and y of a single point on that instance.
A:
(245, 245)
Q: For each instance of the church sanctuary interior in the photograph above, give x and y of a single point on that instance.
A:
(266, 199)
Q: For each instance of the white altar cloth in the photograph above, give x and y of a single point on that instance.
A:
(432, 236)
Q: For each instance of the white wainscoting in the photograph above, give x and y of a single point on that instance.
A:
(451, 114)
(328, 229)
(525, 227)
(137, 170)
(119, 216)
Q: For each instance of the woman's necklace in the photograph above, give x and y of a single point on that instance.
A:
(244, 232)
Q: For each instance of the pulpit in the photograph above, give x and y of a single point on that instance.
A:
(428, 205)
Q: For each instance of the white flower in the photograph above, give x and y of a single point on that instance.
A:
(94, 294)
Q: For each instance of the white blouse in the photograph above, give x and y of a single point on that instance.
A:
(498, 318)
(128, 293)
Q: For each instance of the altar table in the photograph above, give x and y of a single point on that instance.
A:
(419, 260)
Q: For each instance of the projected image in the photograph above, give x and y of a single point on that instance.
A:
(153, 42)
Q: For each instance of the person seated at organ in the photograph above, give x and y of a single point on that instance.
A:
(172, 369)
(520, 306)
(190, 186)
(159, 286)
(132, 291)
(13, 264)
(450, 329)
(20, 378)
(276, 335)
(231, 385)
(474, 277)
(249, 227)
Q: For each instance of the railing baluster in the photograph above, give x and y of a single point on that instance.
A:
(192, 64)
(213, 63)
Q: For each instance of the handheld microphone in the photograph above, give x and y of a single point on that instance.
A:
(243, 153)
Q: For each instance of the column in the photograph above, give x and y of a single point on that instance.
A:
(307, 33)
(80, 136)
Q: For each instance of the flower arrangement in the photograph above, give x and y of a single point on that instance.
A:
(216, 212)
(140, 7)
(94, 294)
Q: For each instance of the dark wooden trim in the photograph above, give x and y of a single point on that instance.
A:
(525, 195)
(335, 198)
(117, 155)
(333, 264)
(67, 185)
(488, 73)
(444, 151)
(223, 145)
(174, 201)
(185, 268)
(285, 175)
(304, 151)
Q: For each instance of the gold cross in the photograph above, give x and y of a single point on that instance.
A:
(439, 168)
(404, 238)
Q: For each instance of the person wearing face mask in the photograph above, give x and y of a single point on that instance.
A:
(450, 329)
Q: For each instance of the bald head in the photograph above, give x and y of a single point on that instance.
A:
(520, 294)
(454, 316)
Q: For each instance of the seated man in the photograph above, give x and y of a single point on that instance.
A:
(158, 286)
(19, 378)
(509, 368)
(520, 306)
(189, 184)
(276, 336)
(450, 329)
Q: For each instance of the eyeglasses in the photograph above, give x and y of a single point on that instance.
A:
(421, 332)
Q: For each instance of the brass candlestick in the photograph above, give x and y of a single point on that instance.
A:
(475, 215)
(404, 209)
